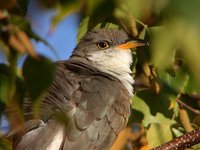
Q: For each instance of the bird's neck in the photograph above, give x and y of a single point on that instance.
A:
(117, 64)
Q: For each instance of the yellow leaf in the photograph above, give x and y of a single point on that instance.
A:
(25, 41)
(146, 147)
(16, 44)
(121, 140)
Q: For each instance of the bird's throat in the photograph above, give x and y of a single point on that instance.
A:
(116, 63)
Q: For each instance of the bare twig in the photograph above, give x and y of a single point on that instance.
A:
(180, 143)
(189, 107)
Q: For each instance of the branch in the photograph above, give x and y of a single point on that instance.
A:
(180, 143)
(189, 107)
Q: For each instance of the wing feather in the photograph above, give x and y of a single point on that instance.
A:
(96, 104)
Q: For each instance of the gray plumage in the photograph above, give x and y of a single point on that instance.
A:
(92, 92)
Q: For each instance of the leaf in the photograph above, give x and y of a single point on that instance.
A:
(143, 33)
(21, 42)
(176, 84)
(177, 132)
(173, 102)
(146, 147)
(5, 48)
(5, 144)
(100, 11)
(25, 27)
(160, 118)
(20, 90)
(25, 41)
(162, 47)
(23, 33)
(16, 44)
(38, 74)
(178, 37)
(5, 75)
(133, 7)
(121, 140)
(140, 105)
(20, 23)
(192, 87)
(83, 28)
(64, 9)
(128, 136)
(185, 9)
(158, 134)
(106, 25)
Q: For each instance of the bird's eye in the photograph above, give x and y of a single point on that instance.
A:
(103, 45)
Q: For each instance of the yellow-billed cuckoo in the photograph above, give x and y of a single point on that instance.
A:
(92, 89)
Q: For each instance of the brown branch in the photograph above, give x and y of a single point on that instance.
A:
(180, 143)
(189, 107)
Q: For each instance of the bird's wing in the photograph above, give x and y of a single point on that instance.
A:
(102, 108)
(39, 135)
(96, 105)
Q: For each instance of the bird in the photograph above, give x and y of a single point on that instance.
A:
(91, 90)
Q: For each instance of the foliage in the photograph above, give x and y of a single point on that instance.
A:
(167, 77)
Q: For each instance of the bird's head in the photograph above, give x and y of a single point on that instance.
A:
(108, 49)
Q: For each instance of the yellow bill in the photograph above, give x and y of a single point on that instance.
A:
(133, 44)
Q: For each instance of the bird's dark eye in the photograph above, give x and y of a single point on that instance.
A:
(103, 45)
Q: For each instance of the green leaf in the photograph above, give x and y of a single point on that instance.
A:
(156, 102)
(4, 47)
(195, 147)
(20, 22)
(173, 103)
(162, 47)
(182, 82)
(177, 83)
(143, 33)
(64, 10)
(106, 25)
(179, 38)
(100, 11)
(176, 132)
(20, 90)
(158, 134)
(192, 87)
(83, 28)
(5, 144)
(24, 25)
(38, 74)
(160, 118)
(140, 105)
(5, 75)
(133, 7)
(185, 9)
